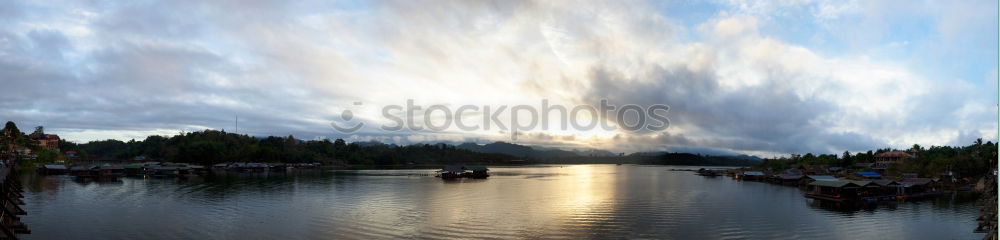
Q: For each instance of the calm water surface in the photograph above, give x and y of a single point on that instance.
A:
(551, 202)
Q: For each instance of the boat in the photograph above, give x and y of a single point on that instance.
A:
(708, 172)
(455, 172)
(52, 169)
(451, 172)
(478, 172)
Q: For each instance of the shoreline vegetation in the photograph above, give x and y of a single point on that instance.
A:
(210, 147)
(973, 161)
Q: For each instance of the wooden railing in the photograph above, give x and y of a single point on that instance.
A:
(10, 201)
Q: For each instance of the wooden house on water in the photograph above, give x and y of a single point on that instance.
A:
(164, 171)
(837, 191)
(889, 189)
(916, 188)
(477, 172)
(805, 181)
(455, 171)
(451, 172)
(110, 172)
(53, 169)
(708, 172)
(134, 170)
(81, 172)
(751, 176)
(788, 179)
(868, 192)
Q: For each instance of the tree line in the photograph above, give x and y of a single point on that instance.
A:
(210, 147)
(974, 160)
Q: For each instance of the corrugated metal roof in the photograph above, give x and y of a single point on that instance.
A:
(453, 168)
(837, 184)
(822, 178)
(909, 182)
(60, 167)
(869, 174)
(864, 183)
(476, 168)
(753, 173)
(886, 183)
(789, 176)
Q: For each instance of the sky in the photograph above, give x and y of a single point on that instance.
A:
(754, 77)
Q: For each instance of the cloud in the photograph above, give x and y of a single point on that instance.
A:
(738, 81)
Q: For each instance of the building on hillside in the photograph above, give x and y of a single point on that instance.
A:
(884, 160)
(49, 141)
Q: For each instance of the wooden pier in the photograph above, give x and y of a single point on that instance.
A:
(10, 201)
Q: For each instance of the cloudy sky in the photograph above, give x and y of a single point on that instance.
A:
(759, 77)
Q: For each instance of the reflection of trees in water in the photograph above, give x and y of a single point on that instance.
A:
(222, 185)
(34, 182)
(959, 201)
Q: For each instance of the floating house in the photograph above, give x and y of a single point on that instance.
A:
(812, 178)
(477, 171)
(134, 170)
(53, 169)
(821, 178)
(248, 167)
(890, 189)
(789, 179)
(868, 191)
(164, 171)
(838, 191)
(915, 188)
(81, 172)
(110, 172)
(455, 171)
(708, 172)
(751, 176)
(220, 166)
(451, 172)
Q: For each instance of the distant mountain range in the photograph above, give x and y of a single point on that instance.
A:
(732, 156)
(697, 156)
(531, 152)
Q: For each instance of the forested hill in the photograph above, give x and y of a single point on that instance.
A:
(210, 147)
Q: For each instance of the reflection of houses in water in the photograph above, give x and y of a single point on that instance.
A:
(52, 169)
(854, 193)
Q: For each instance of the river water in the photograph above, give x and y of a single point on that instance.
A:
(536, 202)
